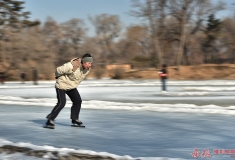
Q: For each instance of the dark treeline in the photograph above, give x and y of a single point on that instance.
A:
(174, 32)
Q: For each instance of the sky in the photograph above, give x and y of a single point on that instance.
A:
(64, 10)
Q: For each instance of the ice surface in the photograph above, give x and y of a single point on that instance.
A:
(125, 118)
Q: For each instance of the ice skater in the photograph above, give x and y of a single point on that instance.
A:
(163, 76)
(35, 76)
(68, 77)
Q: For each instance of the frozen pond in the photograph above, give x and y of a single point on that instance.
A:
(130, 118)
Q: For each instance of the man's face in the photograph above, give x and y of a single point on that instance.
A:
(86, 65)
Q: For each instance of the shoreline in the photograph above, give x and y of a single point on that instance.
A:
(193, 72)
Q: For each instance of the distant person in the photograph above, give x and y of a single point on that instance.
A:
(2, 77)
(68, 77)
(35, 76)
(23, 77)
(163, 76)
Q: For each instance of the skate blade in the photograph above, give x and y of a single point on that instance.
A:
(75, 125)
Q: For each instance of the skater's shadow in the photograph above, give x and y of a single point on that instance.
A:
(38, 121)
(43, 121)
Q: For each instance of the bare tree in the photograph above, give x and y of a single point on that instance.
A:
(189, 13)
(154, 12)
(107, 28)
(74, 32)
(51, 31)
(228, 38)
(138, 35)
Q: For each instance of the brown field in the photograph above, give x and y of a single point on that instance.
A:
(196, 72)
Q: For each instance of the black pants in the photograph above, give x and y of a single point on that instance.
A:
(61, 96)
(163, 84)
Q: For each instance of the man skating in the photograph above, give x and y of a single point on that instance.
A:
(68, 77)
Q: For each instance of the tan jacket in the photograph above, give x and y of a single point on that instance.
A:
(68, 79)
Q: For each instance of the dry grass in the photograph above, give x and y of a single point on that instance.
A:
(197, 72)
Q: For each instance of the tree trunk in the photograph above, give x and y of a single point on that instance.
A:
(182, 42)
(158, 50)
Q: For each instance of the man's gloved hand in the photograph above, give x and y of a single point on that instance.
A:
(76, 64)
